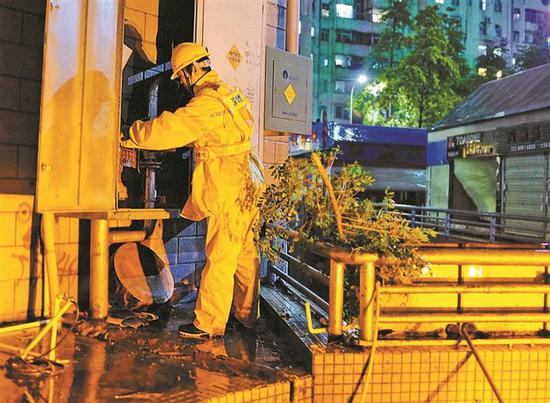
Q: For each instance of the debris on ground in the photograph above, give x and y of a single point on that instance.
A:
(134, 321)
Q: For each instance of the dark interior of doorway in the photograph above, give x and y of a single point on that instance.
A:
(147, 96)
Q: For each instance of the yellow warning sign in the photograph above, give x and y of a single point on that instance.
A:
(290, 94)
(234, 57)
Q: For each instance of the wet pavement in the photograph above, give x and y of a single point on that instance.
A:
(152, 363)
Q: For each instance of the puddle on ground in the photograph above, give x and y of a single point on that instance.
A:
(153, 364)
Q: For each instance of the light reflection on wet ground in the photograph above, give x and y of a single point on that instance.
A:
(154, 364)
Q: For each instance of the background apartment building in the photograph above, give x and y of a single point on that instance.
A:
(339, 34)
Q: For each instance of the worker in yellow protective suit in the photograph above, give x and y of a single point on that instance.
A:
(218, 124)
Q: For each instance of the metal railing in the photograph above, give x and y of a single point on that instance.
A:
(371, 314)
(475, 225)
(342, 260)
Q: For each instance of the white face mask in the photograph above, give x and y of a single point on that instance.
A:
(185, 81)
(188, 80)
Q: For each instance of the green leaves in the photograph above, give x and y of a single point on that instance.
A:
(300, 201)
(420, 83)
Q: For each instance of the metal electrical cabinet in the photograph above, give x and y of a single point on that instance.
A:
(288, 93)
(80, 114)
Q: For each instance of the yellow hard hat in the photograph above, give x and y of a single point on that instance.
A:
(184, 54)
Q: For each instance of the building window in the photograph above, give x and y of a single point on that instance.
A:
(530, 15)
(482, 49)
(456, 21)
(324, 34)
(363, 38)
(498, 6)
(342, 86)
(361, 9)
(498, 30)
(517, 13)
(325, 10)
(342, 61)
(516, 36)
(529, 37)
(483, 5)
(344, 36)
(341, 112)
(339, 87)
(344, 10)
(455, 3)
(376, 15)
(483, 28)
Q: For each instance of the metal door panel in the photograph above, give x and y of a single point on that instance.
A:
(524, 190)
(79, 119)
(236, 26)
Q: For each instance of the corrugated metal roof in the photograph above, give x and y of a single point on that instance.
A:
(525, 91)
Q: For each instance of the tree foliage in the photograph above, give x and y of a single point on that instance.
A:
(489, 66)
(532, 56)
(425, 82)
(300, 200)
(393, 40)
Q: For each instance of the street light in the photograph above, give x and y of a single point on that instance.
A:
(361, 79)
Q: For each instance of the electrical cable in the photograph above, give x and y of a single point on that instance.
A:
(367, 369)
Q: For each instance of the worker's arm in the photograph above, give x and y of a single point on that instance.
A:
(172, 130)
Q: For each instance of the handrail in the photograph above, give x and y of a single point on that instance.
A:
(482, 225)
(469, 212)
(340, 258)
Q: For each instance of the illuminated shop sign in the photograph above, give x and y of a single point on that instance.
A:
(470, 145)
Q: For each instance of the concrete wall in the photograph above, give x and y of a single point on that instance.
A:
(21, 271)
(21, 38)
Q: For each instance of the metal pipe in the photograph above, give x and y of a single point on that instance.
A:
(341, 255)
(303, 289)
(538, 257)
(336, 299)
(367, 278)
(486, 372)
(307, 269)
(505, 317)
(23, 326)
(48, 238)
(126, 236)
(466, 289)
(455, 343)
(55, 326)
(150, 187)
(52, 323)
(17, 350)
(99, 268)
(292, 21)
(545, 298)
(374, 345)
